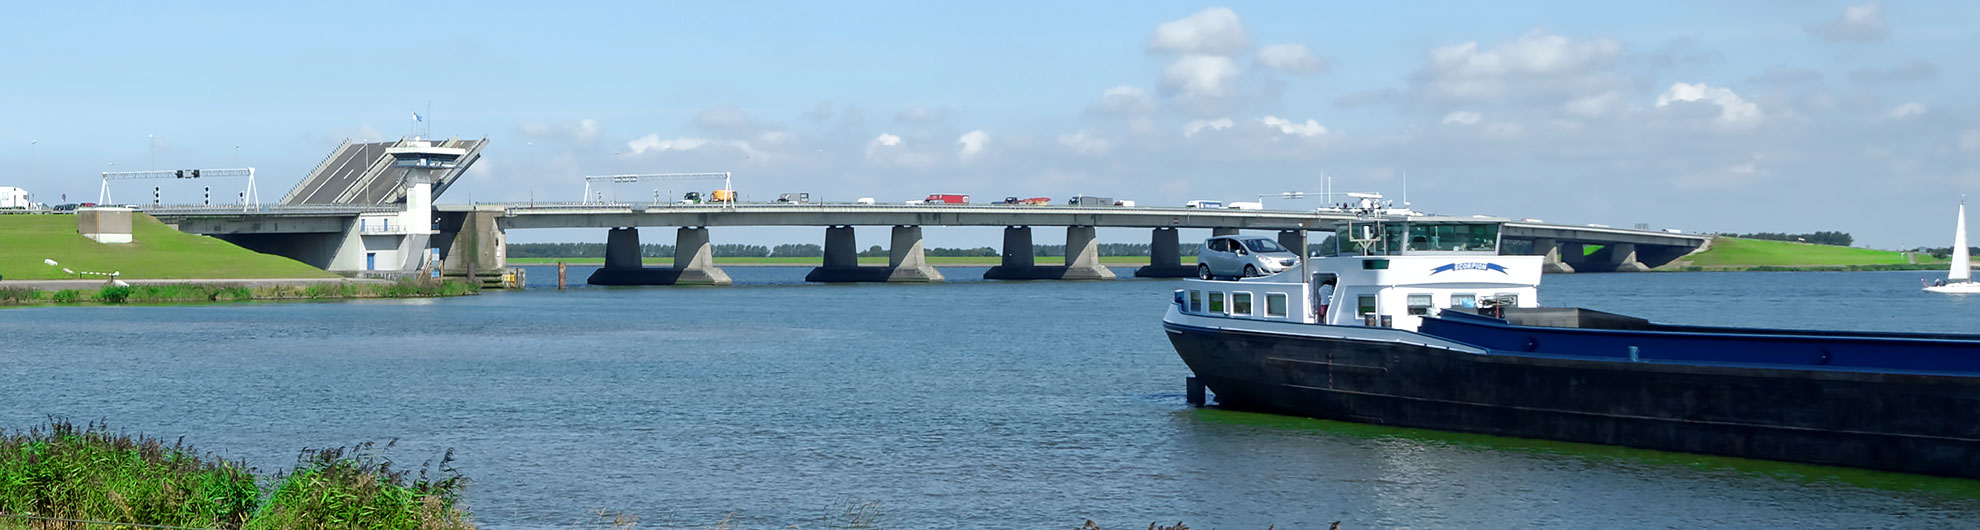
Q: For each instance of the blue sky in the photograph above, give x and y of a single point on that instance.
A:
(1707, 116)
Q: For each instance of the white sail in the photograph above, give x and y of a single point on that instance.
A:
(1962, 266)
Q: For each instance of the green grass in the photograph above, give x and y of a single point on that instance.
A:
(93, 474)
(203, 292)
(157, 251)
(1732, 252)
(813, 262)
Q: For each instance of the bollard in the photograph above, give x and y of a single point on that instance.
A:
(560, 276)
(1194, 393)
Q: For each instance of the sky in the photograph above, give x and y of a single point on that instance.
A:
(1769, 115)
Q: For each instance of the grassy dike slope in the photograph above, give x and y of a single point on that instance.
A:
(1737, 253)
(157, 252)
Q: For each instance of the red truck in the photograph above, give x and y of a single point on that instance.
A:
(945, 198)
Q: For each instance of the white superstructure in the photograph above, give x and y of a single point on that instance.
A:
(1386, 273)
(14, 198)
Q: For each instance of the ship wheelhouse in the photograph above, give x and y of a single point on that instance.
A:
(1381, 272)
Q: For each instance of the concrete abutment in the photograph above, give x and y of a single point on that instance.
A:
(1082, 258)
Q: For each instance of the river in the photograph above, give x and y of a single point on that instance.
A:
(966, 404)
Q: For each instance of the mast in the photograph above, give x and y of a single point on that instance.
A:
(1962, 266)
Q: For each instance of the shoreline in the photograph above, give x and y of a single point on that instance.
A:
(176, 291)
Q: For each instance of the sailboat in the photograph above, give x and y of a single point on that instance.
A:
(1959, 278)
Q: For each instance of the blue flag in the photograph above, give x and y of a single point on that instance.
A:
(416, 117)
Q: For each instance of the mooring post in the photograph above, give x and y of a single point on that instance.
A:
(1194, 393)
(560, 276)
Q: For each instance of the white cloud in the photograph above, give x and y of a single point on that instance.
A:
(1464, 71)
(1905, 111)
(883, 141)
(972, 144)
(652, 142)
(1858, 23)
(1085, 143)
(1193, 127)
(1462, 117)
(1210, 31)
(1733, 111)
(1595, 106)
(1200, 76)
(1291, 58)
(1124, 100)
(1970, 141)
(1310, 128)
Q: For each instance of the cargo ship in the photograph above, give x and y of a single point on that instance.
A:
(1421, 322)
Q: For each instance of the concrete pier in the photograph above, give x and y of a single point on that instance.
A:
(1551, 248)
(906, 262)
(694, 261)
(1293, 240)
(1165, 256)
(1082, 258)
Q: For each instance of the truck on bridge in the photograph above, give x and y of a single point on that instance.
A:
(946, 198)
(1089, 200)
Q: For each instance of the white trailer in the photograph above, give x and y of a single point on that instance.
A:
(12, 198)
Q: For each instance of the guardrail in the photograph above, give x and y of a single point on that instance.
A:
(294, 209)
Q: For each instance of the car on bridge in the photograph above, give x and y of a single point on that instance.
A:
(1242, 257)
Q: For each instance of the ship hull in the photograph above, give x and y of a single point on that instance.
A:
(1912, 423)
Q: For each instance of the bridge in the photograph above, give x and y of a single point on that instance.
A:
(472, 236)
(367, 208)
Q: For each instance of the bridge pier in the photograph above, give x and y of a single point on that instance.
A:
(1082, 258)
(694, 261)
(1551, 248)
(1165, 256)
(906, 261)
(1294, 240)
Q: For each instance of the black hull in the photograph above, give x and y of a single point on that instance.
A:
(1923, 424)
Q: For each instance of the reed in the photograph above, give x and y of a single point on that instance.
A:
(62, 472)
(20, 295)
(353, 487)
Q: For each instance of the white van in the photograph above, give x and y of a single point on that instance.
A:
(1247, 206)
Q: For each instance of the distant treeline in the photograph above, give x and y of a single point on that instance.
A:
(808, 250)
(1946, 252)
(1840, 239)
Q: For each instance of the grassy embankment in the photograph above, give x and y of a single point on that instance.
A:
(220, 292)
(1736, 254)
(91, 474)
(157, 252)
(983, 261)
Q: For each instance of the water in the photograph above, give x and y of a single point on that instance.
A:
(967, 404)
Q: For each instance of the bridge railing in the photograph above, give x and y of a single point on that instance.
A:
(273, 209)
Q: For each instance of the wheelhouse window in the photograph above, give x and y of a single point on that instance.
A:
(1216, 302)
(1419, 304)
(1275, 305)
(1391, 238)
(1365, 305)
(1241, 303)
(1196, 301)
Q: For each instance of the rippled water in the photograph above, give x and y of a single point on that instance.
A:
(967, 404)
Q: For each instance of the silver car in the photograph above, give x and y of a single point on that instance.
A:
(1242, 256)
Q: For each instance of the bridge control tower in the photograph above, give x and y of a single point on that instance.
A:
(398, 240)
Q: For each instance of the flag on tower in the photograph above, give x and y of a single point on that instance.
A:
(416, 117)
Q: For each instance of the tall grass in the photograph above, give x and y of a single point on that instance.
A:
(201, 292)
(60, 471)
(355, 488)
(89, 473)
